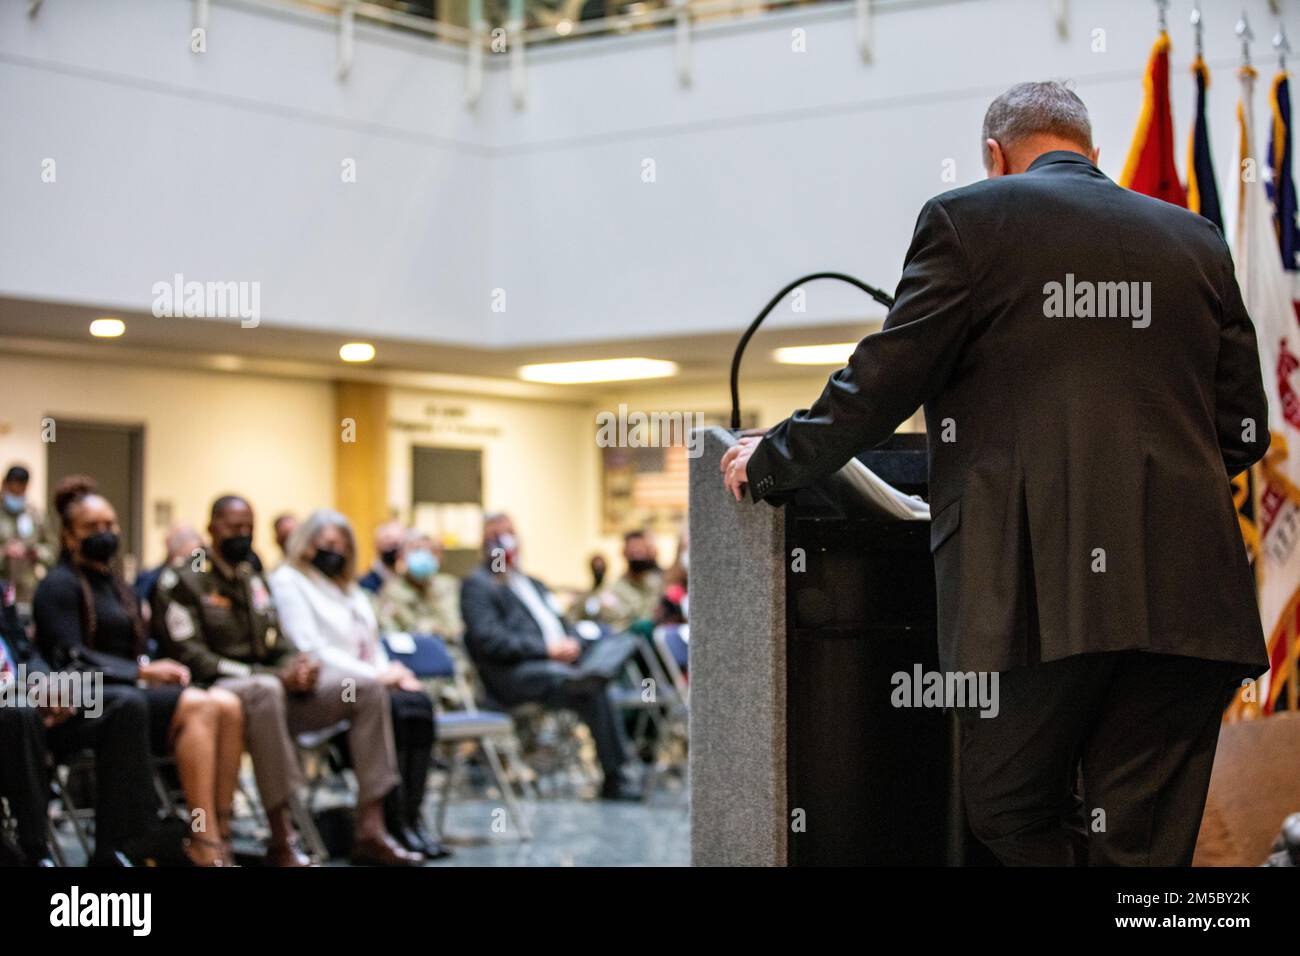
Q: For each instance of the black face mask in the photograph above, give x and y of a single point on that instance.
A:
(389, 558)
(235, 550)
(641, 565)
(329, 563)
(99, 548)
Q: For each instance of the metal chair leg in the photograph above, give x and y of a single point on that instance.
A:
(453, 767)
(71, 810)
(507, 791)
(302, 819)
(53, 838)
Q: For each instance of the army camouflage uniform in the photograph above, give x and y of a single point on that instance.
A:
(405, 608)
(629, 600)
(25, 573)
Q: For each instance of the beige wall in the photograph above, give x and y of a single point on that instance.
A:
(539, 464)
(206, 433)
(276, 440)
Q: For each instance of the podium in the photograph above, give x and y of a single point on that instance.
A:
(800, 617)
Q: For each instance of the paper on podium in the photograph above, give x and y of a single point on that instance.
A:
(883, 496)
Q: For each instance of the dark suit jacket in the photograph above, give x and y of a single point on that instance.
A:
(499, 630)
(1060, 447)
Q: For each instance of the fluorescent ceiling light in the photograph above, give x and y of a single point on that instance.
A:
(107, 328)
(597, 370)
(357, 352)
(835, 354)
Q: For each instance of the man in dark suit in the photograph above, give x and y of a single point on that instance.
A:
(1091, 381)
(525, 654)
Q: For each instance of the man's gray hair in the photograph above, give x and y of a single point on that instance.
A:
(1029, 109)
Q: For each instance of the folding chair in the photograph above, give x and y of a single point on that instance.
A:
(318, 754)
(671, 641)
(431, 660)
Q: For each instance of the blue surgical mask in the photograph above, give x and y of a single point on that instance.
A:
(15, 504)
(421, 564)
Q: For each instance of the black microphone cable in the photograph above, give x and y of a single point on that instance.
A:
(882, 297)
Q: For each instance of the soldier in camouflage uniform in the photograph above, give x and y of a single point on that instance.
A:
(27, 548)
(420, 600)
(634, 598)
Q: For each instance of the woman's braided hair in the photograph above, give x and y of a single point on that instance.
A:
(69, 493)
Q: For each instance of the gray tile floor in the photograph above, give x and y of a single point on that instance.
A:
(568, 831)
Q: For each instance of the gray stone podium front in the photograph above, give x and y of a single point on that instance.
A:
(738, 671)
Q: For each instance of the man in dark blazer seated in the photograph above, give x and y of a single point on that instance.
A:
(1090, 382)
(525, 654)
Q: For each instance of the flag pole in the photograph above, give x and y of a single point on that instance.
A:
(1283, 47)
(1252, 709)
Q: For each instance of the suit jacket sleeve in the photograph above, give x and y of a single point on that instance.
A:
(1241, 405)
(890, 373)
(487, 635)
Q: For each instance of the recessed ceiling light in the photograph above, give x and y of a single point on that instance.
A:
(357, 352)
(107, 328)
(597, 370)
(834, 354)
(564, 27)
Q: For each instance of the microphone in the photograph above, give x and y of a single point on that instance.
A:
(882, 297)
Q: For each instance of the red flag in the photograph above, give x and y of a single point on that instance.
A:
(1150, 165)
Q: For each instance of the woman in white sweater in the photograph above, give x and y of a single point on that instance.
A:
(325, 612)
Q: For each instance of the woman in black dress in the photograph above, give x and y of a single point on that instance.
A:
(88, 620)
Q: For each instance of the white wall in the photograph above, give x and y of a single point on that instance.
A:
(226, 165)
(774, 163)
(205, 434)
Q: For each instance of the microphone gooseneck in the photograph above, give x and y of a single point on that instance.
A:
(882, 297)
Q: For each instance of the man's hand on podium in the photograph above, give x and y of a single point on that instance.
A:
(735, 462)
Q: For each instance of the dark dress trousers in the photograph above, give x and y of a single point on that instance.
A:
(508, 649)
(1081, 433)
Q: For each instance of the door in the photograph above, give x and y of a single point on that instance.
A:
(114, 456)
(447, 501)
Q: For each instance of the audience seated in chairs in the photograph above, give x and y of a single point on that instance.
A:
(523, 652)
(420, 599)
(114, 726)
(634, 598)
(388, 544)
(88, 621)
(221, 620)
(323, 610)
(182, 542)
(26, 546)
(23, 783)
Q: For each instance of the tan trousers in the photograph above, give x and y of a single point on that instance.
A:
(272, 717)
